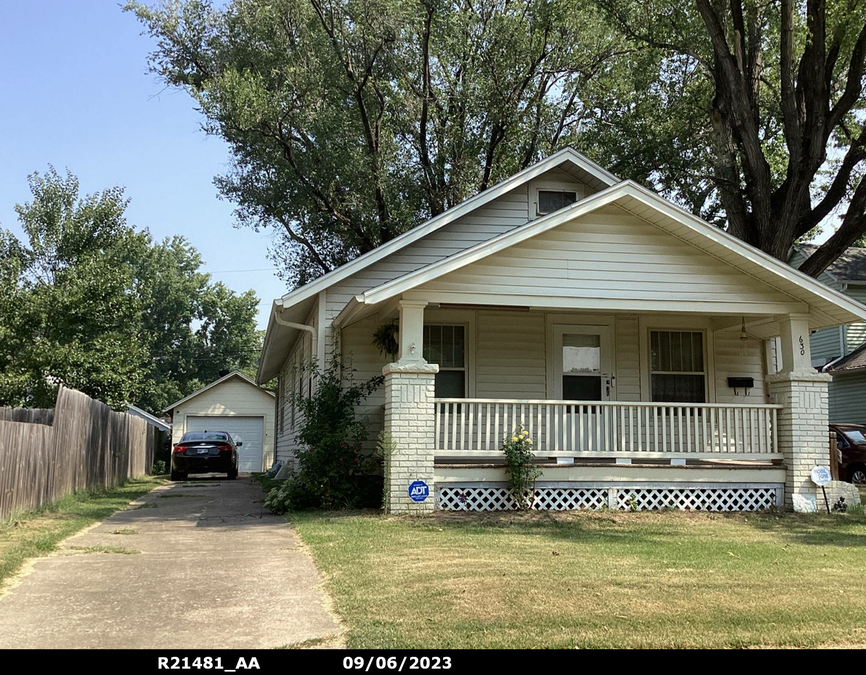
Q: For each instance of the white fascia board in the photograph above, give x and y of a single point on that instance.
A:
(234, 373)
(612, 194)
(452, 214)
(487, 248)
(753, 254)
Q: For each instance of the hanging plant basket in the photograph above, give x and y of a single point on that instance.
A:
(385, 339)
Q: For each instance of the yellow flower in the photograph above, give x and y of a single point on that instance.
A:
(514, 438)
(525, 433)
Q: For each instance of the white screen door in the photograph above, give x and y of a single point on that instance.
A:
(582, 370)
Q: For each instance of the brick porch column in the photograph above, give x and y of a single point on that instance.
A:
(409, 416)
(802, 423)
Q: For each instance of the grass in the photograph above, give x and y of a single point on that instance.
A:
(593, 579)
(35, 534)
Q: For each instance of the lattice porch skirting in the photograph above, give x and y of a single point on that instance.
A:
(624, 497)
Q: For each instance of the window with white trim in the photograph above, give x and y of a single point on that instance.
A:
(553, 200)
(677, 369)
(446, 346)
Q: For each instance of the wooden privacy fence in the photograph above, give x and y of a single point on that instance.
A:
(81, 445)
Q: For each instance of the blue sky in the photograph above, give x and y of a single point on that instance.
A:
(76, 94)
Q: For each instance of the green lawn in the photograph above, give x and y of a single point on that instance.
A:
(604, 579)
(31, 535)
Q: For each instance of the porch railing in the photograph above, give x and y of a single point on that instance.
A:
(477, 427)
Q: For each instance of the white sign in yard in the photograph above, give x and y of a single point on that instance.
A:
(821, 475)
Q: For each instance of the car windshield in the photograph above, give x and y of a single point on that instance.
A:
(857, 436)
(204, 436)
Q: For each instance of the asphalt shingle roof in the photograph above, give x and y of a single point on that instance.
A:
(850, 266)
(856, 360)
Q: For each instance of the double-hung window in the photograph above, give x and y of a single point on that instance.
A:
(677, 369)
(446, 346)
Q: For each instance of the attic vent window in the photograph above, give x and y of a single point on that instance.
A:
(553, 200)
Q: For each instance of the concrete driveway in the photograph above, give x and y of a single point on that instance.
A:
(199, 564)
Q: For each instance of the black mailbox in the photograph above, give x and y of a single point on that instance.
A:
(741, 382)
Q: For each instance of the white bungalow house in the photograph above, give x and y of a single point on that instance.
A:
(632, 339)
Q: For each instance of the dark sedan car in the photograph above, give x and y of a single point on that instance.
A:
(205, 452)
(851, 441)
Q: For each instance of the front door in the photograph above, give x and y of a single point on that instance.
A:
(582, 369)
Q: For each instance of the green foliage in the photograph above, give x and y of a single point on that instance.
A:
(522, 473)
(159, 468)
(385, 339)
(351, 121)
(385, 447)
(333, 471)
(88, 301)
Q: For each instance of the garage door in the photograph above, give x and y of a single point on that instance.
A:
(246, 429)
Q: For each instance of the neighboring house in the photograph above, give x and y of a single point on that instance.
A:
(848, 275)
(848, 388)
(162, 425)
(631, 339)
(236, 404)
(832, 346)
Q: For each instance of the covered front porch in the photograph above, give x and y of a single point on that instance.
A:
(677, 410)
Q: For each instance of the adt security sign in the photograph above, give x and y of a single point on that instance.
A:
(419, 491)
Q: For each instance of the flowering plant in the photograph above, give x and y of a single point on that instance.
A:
(521, 471)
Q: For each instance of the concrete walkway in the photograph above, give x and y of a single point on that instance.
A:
(206, 566)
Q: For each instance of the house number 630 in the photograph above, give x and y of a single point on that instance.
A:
(802, 347)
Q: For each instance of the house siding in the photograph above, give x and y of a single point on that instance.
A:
(291, 381)
(609, 254)
(847, 398)
(855, 333)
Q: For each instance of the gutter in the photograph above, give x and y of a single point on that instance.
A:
(299, 326)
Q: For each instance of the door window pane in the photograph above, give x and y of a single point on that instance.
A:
(581, 387)
(581, 353)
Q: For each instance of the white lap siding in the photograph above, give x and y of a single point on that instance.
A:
(291, 380)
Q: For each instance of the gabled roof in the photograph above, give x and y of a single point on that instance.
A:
(566, 155)
(234, 373)
(296, 305)
(836, 306)
(848, 267)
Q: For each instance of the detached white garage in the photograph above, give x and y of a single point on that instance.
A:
(236, 404)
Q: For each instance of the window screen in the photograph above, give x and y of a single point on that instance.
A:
(553, 200)
(677, 366)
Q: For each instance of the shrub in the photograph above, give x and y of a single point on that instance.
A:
(521, 471)
(332, 469)
(158, 468)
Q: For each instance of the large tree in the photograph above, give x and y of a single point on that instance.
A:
(351, 121)
(88, 301)
(776, 91)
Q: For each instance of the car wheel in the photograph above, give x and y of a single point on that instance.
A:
(177, 475)
(232, 474)
(858, 475)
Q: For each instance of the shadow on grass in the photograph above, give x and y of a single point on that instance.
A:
(610, 527)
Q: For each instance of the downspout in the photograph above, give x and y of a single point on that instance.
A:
(300, 326)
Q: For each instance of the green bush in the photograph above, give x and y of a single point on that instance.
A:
(158, 468)
(332, 471)
(521, 471)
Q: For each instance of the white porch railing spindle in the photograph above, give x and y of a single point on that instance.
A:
(477, 427)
